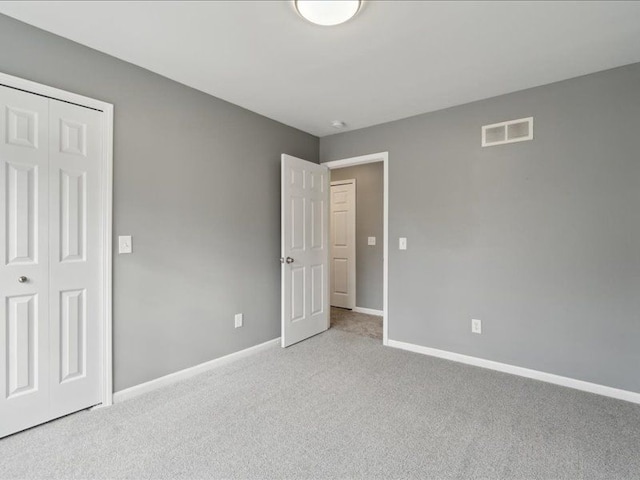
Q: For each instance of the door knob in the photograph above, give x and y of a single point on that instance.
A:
(22, 279)
(289, 260)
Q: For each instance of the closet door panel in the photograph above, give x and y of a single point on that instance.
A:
(24, 260)
(75, 150)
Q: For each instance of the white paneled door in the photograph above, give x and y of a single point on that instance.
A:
(305, 249)
(50, 352)
(74, 257)
(343, 244)
(24, 270)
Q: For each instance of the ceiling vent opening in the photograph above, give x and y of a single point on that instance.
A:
(507, 132)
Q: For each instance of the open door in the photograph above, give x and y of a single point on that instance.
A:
(305, 249)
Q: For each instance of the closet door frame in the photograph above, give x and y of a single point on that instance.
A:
(106, 211)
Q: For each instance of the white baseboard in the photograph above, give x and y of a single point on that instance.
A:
(520, 371)
(368, 311)
(136, 390)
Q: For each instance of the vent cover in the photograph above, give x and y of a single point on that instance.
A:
(507, 132)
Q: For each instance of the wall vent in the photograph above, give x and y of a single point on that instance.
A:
(507, 132)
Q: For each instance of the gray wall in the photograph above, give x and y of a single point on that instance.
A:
(197, 184)
(540, 240)
(369, 223)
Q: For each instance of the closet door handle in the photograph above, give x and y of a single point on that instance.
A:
(22, 279)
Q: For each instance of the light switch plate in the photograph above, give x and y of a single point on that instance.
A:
(402, 244)
(238, 320)
(124, 244)
(371, 241)
(476, 325)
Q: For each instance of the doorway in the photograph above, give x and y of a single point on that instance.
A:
(367, 272)
(304, 254)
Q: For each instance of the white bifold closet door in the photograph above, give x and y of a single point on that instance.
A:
(50, 358)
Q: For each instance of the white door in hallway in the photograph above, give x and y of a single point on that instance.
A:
(305, 249)
(343, 244)
(50, 352)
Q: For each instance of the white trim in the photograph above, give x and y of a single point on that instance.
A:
(626, 395)
(106, 195)
(52, 92)
(368, 311)
(352, 161)
(151, 385)
(107, 256)
(528, 120)
(372, 158)
(343, 182)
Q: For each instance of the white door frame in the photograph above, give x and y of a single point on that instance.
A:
(106, 213)
(372, 158)
(352, 273)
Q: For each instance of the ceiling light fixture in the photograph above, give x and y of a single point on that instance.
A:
(338, 124)
(327, 12)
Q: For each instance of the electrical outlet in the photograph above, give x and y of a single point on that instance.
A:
(476, 325)
(238, 320)
(371, 241)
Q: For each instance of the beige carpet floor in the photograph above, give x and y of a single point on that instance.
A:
(340, 406)
(358, 323)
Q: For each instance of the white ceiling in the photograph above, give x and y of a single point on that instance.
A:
(394, 60)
